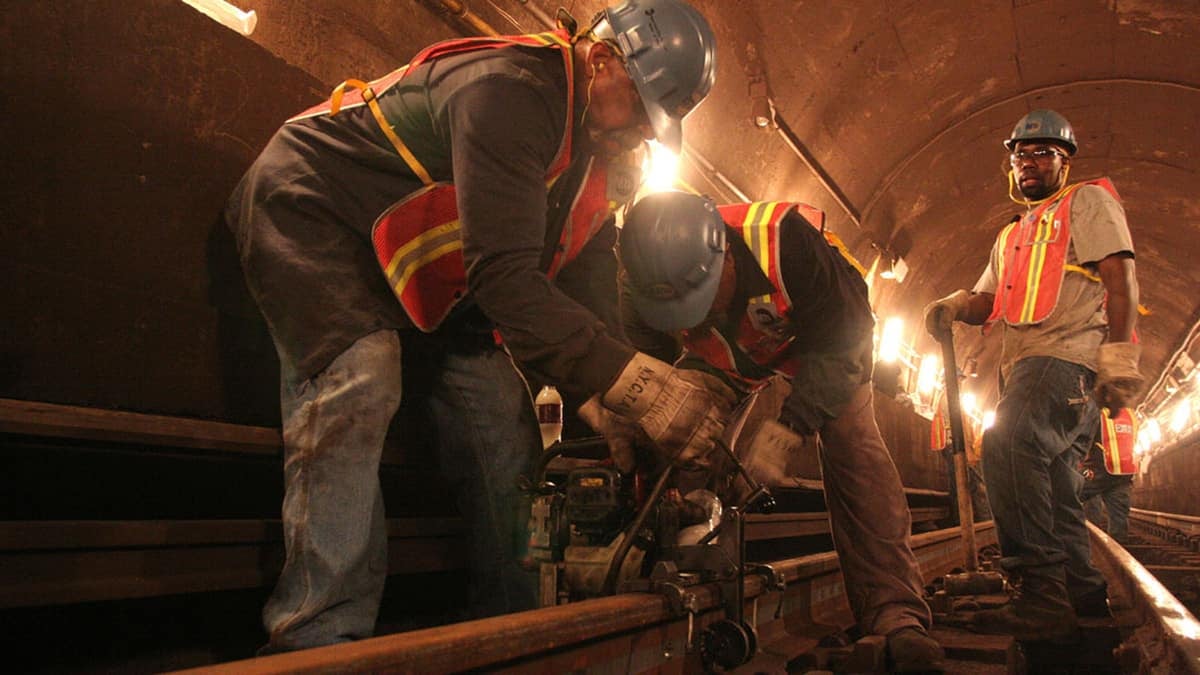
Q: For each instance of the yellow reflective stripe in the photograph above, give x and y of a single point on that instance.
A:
(335, 104)
(415, 265)
(1142, 309)
(1005, 234)
(1112, 448)
(1037, 262)
(1080, 270)
(840, 245)
(422, 249)
(550, 39)
(754, 231)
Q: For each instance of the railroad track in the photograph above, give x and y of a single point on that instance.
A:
(1168, 546)
(639, 632)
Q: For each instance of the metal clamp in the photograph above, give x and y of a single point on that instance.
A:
(774, 579)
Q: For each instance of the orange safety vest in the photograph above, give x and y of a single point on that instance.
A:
(418, 240)
(765, 331)
(939, 426)
(1033, 260)
(1118, 436)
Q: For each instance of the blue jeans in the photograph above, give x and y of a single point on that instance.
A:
(1045, 422)
(334, 426)
(1111, 492)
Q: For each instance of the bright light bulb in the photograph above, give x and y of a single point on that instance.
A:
(226, 14)
(661, 168)
(1152, 430)
(889, 343)
(968, 401)
(989, 419)
(1182, 415)
(927, 374)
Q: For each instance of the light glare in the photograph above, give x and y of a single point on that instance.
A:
(661, 168)
(889, 343)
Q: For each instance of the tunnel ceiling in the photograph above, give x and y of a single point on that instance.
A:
(900, 108)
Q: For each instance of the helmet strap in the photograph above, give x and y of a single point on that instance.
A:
(587, 105)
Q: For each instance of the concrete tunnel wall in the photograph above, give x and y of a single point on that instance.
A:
(127, 127)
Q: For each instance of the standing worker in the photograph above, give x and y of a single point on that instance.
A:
(429, 211)
(756, 293)
(1060, 283)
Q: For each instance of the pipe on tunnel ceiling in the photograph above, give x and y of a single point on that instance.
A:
(537, 13)
(814, 166)
(460, 11)
(1160, 383)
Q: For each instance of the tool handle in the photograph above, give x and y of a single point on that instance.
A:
(966, 513)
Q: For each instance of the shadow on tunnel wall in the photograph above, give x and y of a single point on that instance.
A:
(126, 129)
(248, 366)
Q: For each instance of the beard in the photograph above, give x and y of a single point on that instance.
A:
(1041, 189)
(1036, 191)
(615, 142)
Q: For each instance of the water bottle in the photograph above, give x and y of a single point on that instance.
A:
(549, 405)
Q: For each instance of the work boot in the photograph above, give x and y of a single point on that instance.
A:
(912, 650)
(1040, 610)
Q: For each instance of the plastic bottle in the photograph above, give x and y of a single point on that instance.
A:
(549, 406)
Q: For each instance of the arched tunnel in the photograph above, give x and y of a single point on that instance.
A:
(139, 385)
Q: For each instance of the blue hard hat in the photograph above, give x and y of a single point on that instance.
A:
(670, 54)
(1043, 125)
(672, 249)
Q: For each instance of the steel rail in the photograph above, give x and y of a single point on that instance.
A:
(1189, 526)
(624, 633)
(634, 632)
(1167, 639)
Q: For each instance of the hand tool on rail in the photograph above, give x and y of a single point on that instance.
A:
(972, 581)
(733, 641)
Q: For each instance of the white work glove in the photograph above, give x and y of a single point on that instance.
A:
(940, 315)
(682, 411)
(765, 445)
(1118, 380)
(620, 432)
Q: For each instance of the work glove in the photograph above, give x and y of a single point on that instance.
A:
(1118, 380)
(621, 433)
(765, 446)
(940, 315)
(682, 411)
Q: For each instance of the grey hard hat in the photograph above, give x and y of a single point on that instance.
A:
(670, 54)
(672, 249)
(1043, 125)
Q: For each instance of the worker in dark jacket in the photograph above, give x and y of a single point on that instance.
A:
(758, 294)
(431, 211)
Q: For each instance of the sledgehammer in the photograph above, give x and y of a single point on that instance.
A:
(966, 514)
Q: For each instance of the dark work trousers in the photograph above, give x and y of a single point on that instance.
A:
(1045, 422)
(870, 521)
(1110, 494)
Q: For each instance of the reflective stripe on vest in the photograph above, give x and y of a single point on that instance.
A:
(1032, 259)
(939, 426)
(418, 240)
(1118, 436)
(765, 331)
(418, 243)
